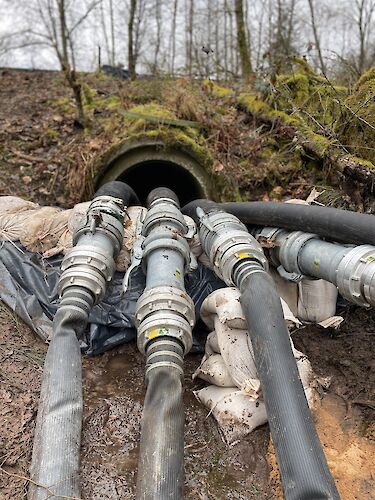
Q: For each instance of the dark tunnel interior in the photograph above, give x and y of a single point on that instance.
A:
(148, 175)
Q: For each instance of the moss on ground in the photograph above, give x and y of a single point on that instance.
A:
(356, 127)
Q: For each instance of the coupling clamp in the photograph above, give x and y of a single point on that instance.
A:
(356, 275)
(165, 213)
(164, 312)
(226, 242)
(105, 215)
(90, 263)
(284, 247)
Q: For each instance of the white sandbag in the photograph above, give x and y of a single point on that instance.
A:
(237, 352)
(224, 304)
(236, 414)
(316, 300)
(13, 214)
(134, 215)
(214, 370)
(212, 345)
(197, 251)
(287, 290)
(44, 228)
(238, 409)
(13, 204)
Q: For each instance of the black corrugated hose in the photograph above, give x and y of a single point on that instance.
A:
(303, 466)
(332, 223)
(121, 190)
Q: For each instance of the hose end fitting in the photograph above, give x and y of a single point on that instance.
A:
(226, 242)
(356, 276)
(90, 265)
(164, 352)
(164, 312)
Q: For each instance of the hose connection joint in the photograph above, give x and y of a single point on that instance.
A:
(164, 312)
(356, 275)
(285, 246)
(90, 265)
(226, 242)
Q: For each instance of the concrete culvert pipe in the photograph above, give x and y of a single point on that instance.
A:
(146, 165)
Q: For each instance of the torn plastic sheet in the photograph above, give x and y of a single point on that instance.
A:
(28, 285)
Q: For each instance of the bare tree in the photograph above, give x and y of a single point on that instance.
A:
(158, 18)
(113, 38)
(316, 37)
(172, 45)
(365, 10)
(59, 34)
(131, 51)
(243, 47)
(189, 48)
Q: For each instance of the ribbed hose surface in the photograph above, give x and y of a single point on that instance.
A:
(55, 463)
(303, 467)
(338, 225)
(161, 466)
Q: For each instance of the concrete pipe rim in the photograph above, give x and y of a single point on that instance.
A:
(145, 165)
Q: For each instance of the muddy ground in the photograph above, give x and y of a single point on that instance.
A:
(32, 136)
(114, 391)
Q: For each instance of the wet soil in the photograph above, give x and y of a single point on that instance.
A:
(114, 392)
(37, 146)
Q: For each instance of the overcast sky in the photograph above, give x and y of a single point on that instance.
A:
(335, 24)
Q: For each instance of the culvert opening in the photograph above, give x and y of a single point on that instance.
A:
(147, 164)
(148, 175)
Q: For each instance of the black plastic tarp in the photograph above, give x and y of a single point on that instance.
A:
(28, 285)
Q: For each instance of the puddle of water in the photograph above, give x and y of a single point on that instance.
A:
(114, 393)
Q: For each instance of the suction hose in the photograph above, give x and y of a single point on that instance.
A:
(86, 271)
(239, 260)
(121, 190)
(164, 319)
(338, 225)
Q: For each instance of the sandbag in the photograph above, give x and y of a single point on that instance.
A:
(214, 370)
(236, 414)
(316, 300)
(235, 397)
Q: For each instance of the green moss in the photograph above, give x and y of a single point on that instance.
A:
(293, 90)
(356, 128)
(54, 134)
(217, 90)
(253, 105)
(63, 104)
(363, 163)
(88, 94)
(318, 143)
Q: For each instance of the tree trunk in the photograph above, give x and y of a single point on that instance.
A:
(189, 29)
(242, 44)
(158, 17)
(173, 38)
(113, 43)
(131, 56)
(69, 73)
(316, 37)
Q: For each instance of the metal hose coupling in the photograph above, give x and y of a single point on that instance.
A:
(351, 269)
(165, 310)
(228, 244)
(89, 266)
